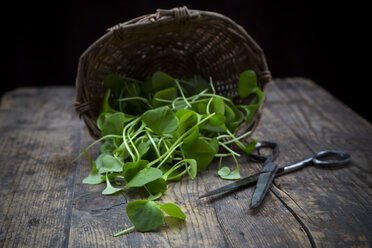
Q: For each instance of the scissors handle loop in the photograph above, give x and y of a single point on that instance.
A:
(331, 159)
(258, 157)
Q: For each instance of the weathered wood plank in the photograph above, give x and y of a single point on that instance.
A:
(39, 137)
(44, 203)
(335, 205)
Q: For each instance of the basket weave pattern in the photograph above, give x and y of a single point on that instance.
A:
(180, 42)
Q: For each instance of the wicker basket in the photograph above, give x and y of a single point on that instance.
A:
(180, 42)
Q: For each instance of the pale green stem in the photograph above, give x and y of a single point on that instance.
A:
(236, 138)
(208, 106)
(227, 148)
(175, 167)
(143, 125)
(236, 163)
(130, 138)
(96, 142)
(137, 133)
(237, 142)
(159, 143)
(178, 141)
(196, 97)
(135, 150)
(125, 142)
(134, 98)
(212, 86)
(89, 159)
(222, 136)
(117, 159)
(153, 143)
(163, 100)
(181, 91)
(124, 231)
(178, 175)
(212, 95)
(175, 101)
(223, 155)
(165, 144)
(168, 153)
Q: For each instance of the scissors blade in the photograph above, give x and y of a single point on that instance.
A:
(264, 182)
(235, 185)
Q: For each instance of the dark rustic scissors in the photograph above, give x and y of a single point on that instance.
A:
(325, 159)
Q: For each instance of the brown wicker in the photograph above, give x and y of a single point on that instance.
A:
(180, 42)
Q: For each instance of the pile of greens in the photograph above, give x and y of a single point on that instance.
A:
(159, 129)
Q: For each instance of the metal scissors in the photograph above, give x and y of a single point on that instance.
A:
(329, 159)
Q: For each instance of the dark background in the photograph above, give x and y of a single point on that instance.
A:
(321, 41)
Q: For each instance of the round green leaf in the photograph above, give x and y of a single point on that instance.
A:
(161, 120)
(144, 176)
(218, 106)
(226, 173)
(247, 83)
(143, 148)
(193, 167)
(154, 197)
(105, 103)
(157, 186)
(110, 164)
(173, 210)
(202, 151)
(93, 178)
(192, 136)
(166, 94)
(229, 113)
(202, 108)
(130, 169)
(112, 123)
(109, 190)
(145, 215)
(108, 146)
(250, 147)
(216, 123)
(161, 80)
(198, 84)
(187, 119)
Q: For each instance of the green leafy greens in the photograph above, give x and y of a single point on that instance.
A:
(159, 129)
(147, 215)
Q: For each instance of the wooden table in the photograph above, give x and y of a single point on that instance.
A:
(45, 204)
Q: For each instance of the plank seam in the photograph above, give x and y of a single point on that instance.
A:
(9, 206)
(225, 237)
(304, 227)
(95, 210)
(70, 205)
(166, 233)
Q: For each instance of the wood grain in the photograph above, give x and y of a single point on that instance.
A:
(337, 209)
(45, 204)
(39, 138)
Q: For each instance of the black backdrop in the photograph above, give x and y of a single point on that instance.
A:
(317, 40)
